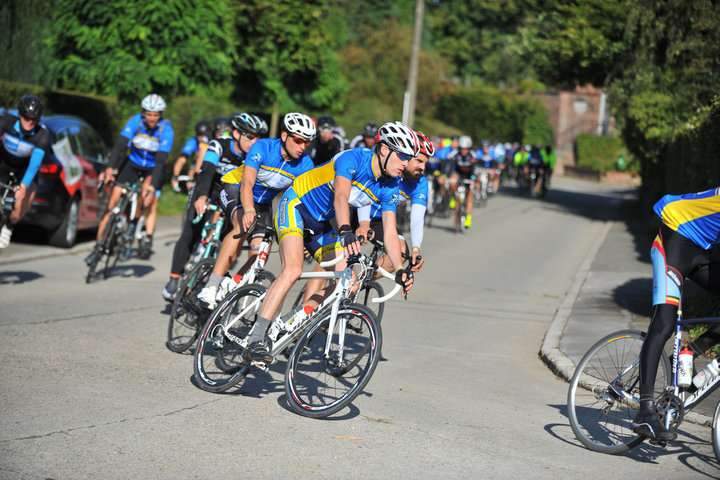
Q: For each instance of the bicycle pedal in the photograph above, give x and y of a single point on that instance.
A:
(259, 365)
(659, 443)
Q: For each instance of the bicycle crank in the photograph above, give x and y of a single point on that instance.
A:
(671, 410)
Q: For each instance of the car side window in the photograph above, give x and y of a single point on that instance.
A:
(73, 133)
(95, 148)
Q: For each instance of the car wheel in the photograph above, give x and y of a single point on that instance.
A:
(66, 233)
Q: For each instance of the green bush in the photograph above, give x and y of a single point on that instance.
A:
(601, 153)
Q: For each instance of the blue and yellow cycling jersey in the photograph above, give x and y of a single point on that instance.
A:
(145, 144)
(192, 146)
(274, 173)
(695, 216)
(316, 188)
(416, 192)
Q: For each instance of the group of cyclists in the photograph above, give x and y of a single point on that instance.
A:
(333, 194)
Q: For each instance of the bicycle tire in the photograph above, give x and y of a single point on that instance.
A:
(108, 231)
(218, 363)
(716, 432)
(113, 253)
(186, 318)
(316, 386)
(599, 418)
(367, 291)
(264, 278)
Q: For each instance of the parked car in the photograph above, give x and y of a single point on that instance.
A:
(67, 197)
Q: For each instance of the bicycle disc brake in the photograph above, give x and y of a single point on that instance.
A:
(669, 404)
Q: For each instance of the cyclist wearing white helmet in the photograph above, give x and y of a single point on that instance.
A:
(356, 178)
(271, 166)
(223, 155)
(461, 165)
(139, 152)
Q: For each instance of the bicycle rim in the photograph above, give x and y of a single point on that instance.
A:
(603, 397)
(716, 432)
(318, 384)
(113, 255)
(186, 318)
(218, 362)
(367, 291)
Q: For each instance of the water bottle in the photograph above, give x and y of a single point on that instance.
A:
(685, 366)
(706, 374)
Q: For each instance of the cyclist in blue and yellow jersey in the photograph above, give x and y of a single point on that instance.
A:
(272, 164)
(355, 177)
(223, 155)
(139, 152)
(23, 147)
(413, 187)
(690, 228)
(197, 146)
(461, 166)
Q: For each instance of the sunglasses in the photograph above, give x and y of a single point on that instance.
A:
(249, 136)
(300, 141)
(403, 156)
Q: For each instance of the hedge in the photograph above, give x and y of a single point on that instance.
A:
(602, 152)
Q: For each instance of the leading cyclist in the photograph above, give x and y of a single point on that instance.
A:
(690, 228)
(24, 143)
(355, 177)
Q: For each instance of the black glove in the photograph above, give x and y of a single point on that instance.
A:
(347, 236)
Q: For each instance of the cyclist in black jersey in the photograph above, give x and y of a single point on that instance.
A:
(326, 144)
(24, 143)
(367, 137)
(461, 166)
(223, 154)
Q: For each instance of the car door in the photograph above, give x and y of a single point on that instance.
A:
(96, 155)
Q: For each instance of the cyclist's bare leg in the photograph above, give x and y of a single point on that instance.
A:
(22, 207)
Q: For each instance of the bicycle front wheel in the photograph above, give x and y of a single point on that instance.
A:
(367, 291)
(716, 432)
(331, 363)
(186, 317)
(218, 362)
(603, 397)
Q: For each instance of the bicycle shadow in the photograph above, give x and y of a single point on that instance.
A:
(19, 277)
(686, 448)
(131, 271)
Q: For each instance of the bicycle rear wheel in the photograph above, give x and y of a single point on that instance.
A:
(186, 317)
(218, 362)
(319, 383)
(603, 397)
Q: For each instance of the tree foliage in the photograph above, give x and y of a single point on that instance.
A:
(285, 55)
(23, 24)
(132, 48)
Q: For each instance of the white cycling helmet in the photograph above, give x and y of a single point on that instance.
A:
(299, 124)
(464, 142)
(399, 137)
(153, 103)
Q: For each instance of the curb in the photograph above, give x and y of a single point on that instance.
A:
(550, 352)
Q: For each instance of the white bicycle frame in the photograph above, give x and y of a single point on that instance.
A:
(342, 291)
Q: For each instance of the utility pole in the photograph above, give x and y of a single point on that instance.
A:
(411, 92)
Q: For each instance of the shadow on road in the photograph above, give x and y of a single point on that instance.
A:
(16, 278)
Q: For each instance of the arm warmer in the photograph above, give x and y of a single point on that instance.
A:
(417, 223)
(158, 172)
(363, 213)
(117, 155)
(204, 180)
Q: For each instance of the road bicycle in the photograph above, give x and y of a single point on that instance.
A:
(482, 190)
(187, 317)
(117, 235)
(604, 397)
(210, 238)
(466, 187)
(336, 350)
(7, 199)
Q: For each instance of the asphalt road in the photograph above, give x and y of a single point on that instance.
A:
(88, 389)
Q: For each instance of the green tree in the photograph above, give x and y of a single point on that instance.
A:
(24, 24)
(286, 56)
(574, 43)
(136, 47)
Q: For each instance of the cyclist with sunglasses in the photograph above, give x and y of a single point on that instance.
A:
(23, 147)
(270, 167)
(356, 178)
(224, 154)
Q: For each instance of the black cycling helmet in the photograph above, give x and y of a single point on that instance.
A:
(247, 123)
(326, 123)
(203, 127)
(30, 106)
(370, 130)
(222, 124)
